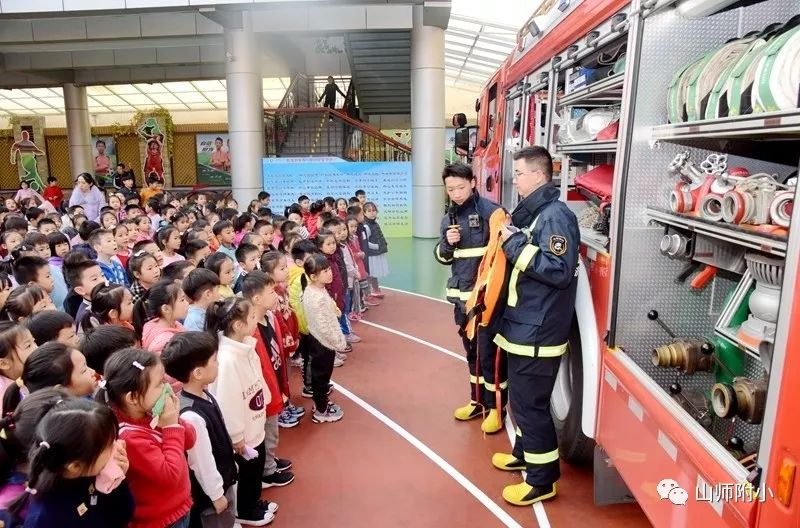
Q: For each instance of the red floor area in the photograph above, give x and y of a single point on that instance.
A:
(358, 472)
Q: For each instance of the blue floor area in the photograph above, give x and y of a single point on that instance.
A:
(413, 268)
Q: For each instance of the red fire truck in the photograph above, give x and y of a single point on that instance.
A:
(675, 131)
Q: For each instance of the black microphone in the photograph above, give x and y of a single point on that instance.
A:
(452, 212)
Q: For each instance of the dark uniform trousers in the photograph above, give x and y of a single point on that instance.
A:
(473, 220)
(531, 381)
(487, 366)
(536, 322)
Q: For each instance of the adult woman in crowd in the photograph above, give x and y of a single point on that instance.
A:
(87, 195)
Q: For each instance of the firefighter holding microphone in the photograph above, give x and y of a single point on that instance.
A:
(462, 243)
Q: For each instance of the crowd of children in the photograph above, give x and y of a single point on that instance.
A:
(145, 351)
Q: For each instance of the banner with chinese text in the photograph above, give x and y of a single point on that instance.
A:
(387, 184)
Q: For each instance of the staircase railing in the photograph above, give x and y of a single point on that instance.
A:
(297, 96)
(349, 106)
(350, 110)
(326, 132)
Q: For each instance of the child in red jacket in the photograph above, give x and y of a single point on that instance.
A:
(53, 193)
(287, 329)
(260, 291)
(155, 437)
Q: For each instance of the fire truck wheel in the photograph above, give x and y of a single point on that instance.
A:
(565, 405)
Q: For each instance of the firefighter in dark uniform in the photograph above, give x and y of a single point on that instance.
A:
(541, 245)
(462, 248)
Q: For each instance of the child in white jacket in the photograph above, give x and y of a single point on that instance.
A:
(325, 335)
(241, 393)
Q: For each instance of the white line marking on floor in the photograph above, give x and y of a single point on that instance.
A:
(416, 294)
(490, 505)
(415, 339)
(538, 508)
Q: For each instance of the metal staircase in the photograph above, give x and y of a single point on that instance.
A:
(313, 134)
(299, 128)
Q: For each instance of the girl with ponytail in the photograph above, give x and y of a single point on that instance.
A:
(242, 395)
(16, 345)
(76, 469)
(155, 436)
(112, 304)
(16, 435)
(24, 301)
(180, 220)
(156, 316)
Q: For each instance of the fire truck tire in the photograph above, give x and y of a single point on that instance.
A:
(566, 405)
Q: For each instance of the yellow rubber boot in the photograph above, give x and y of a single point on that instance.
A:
(469, 411)
(524, 494)
(492, 423)
(507, 462)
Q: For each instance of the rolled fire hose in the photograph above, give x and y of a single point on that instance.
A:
(777, 70)
(703, 78)
(742, 75)
(714, 107)
(676, 95)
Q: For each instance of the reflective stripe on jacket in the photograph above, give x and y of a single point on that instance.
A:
(538, 315)
(466, 257)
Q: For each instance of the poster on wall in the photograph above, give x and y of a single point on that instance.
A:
(213, 159)
(387, 184)
(153, 149)
(450, 155)
(29, 151)
(104, 155)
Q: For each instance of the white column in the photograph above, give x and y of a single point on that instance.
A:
(245, 110)
(427, 126)
(79, 133)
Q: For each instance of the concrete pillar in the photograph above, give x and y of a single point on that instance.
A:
(427, 126)
(245, 110)
(79, 133)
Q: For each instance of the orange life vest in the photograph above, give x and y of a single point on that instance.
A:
(485, 295)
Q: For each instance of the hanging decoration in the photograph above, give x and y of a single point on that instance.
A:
(30, 157)
(155, 130)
